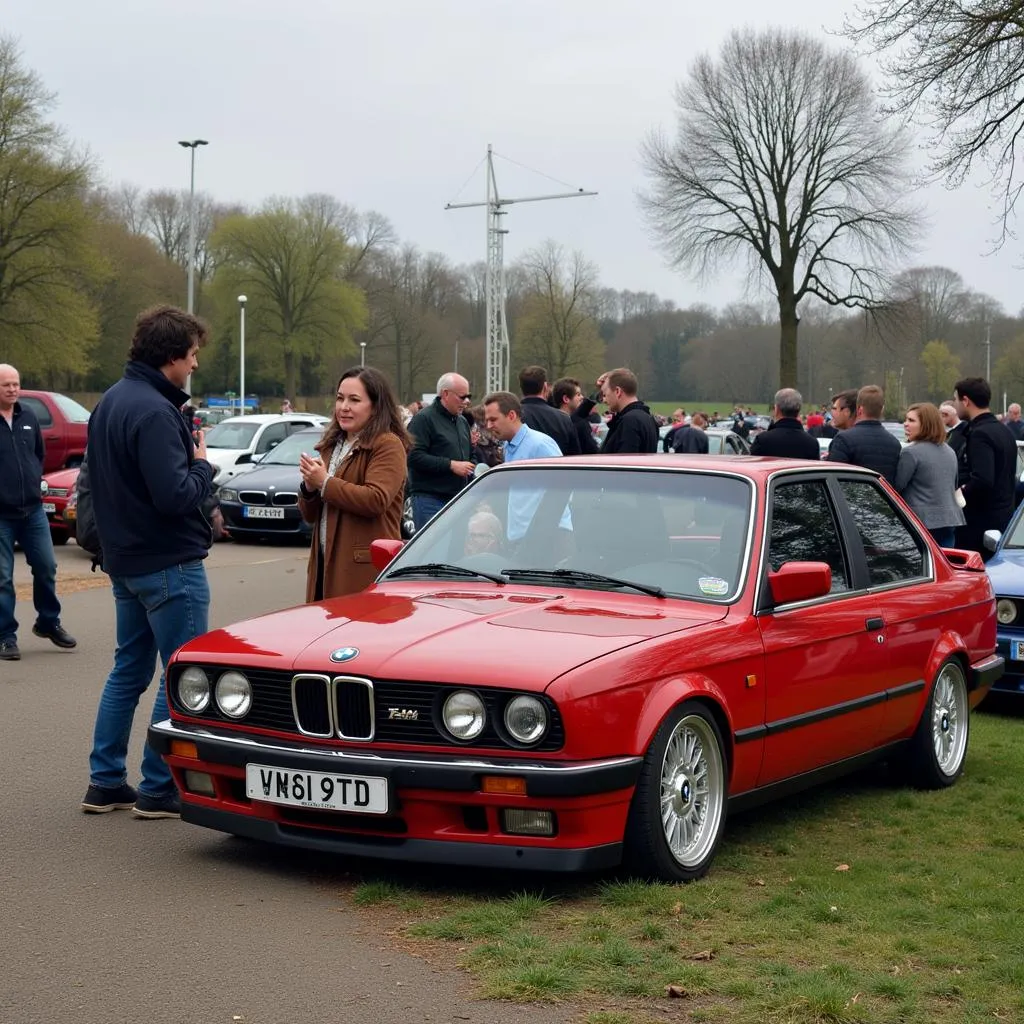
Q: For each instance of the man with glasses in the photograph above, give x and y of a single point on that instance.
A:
(440, 461)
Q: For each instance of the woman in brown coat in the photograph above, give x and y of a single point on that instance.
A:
(352, 490)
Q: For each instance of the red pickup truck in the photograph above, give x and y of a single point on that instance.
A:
(64, 424)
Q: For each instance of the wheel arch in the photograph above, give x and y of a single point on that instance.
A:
(664, 699)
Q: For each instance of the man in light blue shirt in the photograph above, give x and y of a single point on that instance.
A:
(503, 418)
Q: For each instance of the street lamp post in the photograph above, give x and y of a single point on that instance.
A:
(241, 348)
(192, 230)
(362, 353)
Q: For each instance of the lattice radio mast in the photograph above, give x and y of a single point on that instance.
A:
(497, 368)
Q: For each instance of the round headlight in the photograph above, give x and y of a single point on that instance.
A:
(1006, 611)
(194, 688)
(464, 715)
(526, 719)
(234, 694)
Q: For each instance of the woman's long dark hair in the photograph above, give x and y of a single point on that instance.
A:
(385, 418)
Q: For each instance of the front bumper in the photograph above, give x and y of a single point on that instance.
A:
(438, 811)
(291, 524)
(1012, 680)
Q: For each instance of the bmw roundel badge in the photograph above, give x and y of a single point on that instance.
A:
(345, 654)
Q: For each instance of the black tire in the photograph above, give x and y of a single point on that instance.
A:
(938, 748)
(677, 816)
(59, 537)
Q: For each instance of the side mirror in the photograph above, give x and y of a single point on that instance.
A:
(243, 459)
(382, 552)
(800, 581)
(991, 538)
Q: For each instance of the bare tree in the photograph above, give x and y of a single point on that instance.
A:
(558, 327)
(958, 67)
(780, 156)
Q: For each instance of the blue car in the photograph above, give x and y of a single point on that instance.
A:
(1006, 571)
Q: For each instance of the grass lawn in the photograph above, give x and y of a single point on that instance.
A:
(859, 902)
(724, 408)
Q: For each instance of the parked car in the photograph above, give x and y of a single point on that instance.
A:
(57, 489)
(64, 426)
(663, 640)
(263, 501)
(1006, 571)
(235, 443)
(210, 417)
(726, 442)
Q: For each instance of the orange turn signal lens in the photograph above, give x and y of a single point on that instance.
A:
(184, 748)
(503, 785)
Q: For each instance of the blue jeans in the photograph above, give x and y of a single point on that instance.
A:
(157, 612)
(945, 536)
(33, 534)
(425, 507)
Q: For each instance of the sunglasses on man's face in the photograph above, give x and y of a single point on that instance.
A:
(462, 398)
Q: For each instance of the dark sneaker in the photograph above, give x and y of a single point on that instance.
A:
(157, 806)
(56, 634)
(9, 650)
(99, 800)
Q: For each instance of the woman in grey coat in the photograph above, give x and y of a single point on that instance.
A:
(926, 473)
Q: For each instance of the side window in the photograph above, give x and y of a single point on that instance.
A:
(271, 437)
(804, 530)
(39, 408)
(893, 552)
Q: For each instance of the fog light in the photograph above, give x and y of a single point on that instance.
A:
(517, 822)
(199, 782)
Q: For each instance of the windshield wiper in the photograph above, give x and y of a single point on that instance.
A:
(584, 577)
(445, 569)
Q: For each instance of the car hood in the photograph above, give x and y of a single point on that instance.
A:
(1004, 571)
(62, 477)
(266, 478)
(221, 457)
(463, 634)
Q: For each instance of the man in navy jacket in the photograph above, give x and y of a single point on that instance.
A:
(23, 520)
(786, 436)
(867, 442)
(148, 480)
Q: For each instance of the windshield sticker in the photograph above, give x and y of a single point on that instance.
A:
(713, 586)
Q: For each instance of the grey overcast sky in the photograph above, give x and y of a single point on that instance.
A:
(389, 105)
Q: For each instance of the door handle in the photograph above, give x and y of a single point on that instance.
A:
(873, 624)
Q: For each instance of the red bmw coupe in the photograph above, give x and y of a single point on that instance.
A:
(587, 662)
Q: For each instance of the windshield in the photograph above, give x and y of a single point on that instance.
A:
(73, 412)
(684, 532)
(232, 435)
(288, 451)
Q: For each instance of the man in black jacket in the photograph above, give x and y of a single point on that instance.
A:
(632, 429)
(148, 479)
(786, 437)
(23, 521)
(441, 458)
(566, 397)
(956, 438)
(867, 442)
(991, 466)
(539, 415)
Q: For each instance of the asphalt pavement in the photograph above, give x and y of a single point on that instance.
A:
(107, 919)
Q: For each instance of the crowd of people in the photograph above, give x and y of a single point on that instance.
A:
(146, 484)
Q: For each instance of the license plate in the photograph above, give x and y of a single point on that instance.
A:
(49, 508)
(316, 790)
(1017, 650)
(260, 512)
